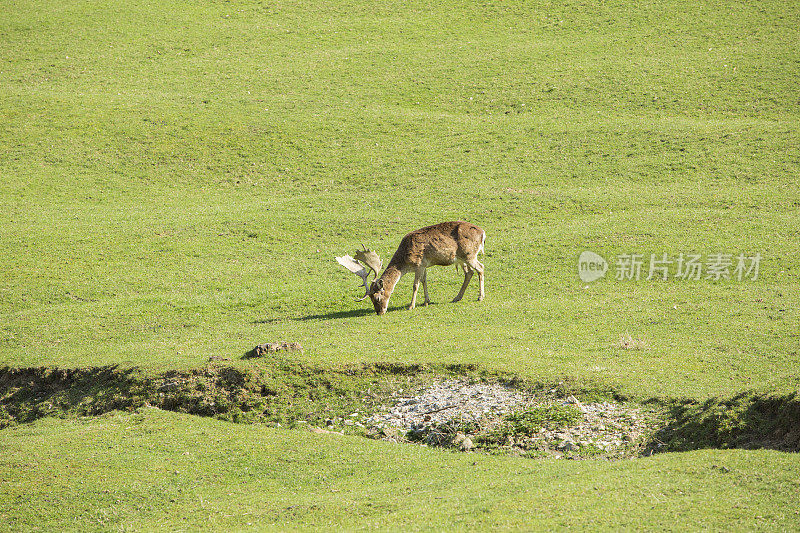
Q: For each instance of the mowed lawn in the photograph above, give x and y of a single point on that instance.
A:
(176, 180)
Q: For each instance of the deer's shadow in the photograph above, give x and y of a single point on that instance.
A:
(335, 315)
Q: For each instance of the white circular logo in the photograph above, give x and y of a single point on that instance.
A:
(591, 266)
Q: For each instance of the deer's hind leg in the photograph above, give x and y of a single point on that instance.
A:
(467, 277)
(476, 265)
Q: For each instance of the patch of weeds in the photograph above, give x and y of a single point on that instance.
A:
(585, 391)
(585, 451)
(443, 435)
(529, 422)
(536, 454)
(355, 431)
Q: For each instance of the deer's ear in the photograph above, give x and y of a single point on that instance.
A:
(379, 284)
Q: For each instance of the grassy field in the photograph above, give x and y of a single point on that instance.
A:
(163, 471)
(175, 181)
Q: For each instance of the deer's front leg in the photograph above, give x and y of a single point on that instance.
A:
(425, 286)
(417, 278)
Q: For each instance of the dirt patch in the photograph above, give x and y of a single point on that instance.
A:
(460, 407)
(497, 417)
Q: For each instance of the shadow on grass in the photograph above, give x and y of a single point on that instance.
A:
(27, 394)
(747, 420)
(335, 315)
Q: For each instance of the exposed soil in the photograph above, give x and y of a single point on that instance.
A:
(458, 407)
(497, 417)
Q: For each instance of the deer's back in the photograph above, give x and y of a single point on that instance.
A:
(440, 244)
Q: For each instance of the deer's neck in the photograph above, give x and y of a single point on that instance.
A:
(390, 278)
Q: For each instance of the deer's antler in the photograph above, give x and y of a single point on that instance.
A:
(358, 269)
(369, 258)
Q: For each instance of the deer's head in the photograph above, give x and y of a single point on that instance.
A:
(364, 262)
(379, 296)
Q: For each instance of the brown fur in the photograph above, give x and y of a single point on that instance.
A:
(442, 244)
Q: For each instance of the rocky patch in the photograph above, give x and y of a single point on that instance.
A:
(500, 419)
(273, 347)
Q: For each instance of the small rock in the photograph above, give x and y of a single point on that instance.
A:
(391, 433)
(272, 347)
(566, 446)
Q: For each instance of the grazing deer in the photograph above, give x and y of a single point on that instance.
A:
(443, 244)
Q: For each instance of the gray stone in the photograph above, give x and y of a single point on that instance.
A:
(566, 446)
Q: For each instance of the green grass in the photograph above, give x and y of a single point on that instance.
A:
(163, 471)
(531, 420)
(175, 181)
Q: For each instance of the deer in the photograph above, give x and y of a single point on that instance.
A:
(448, 243)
